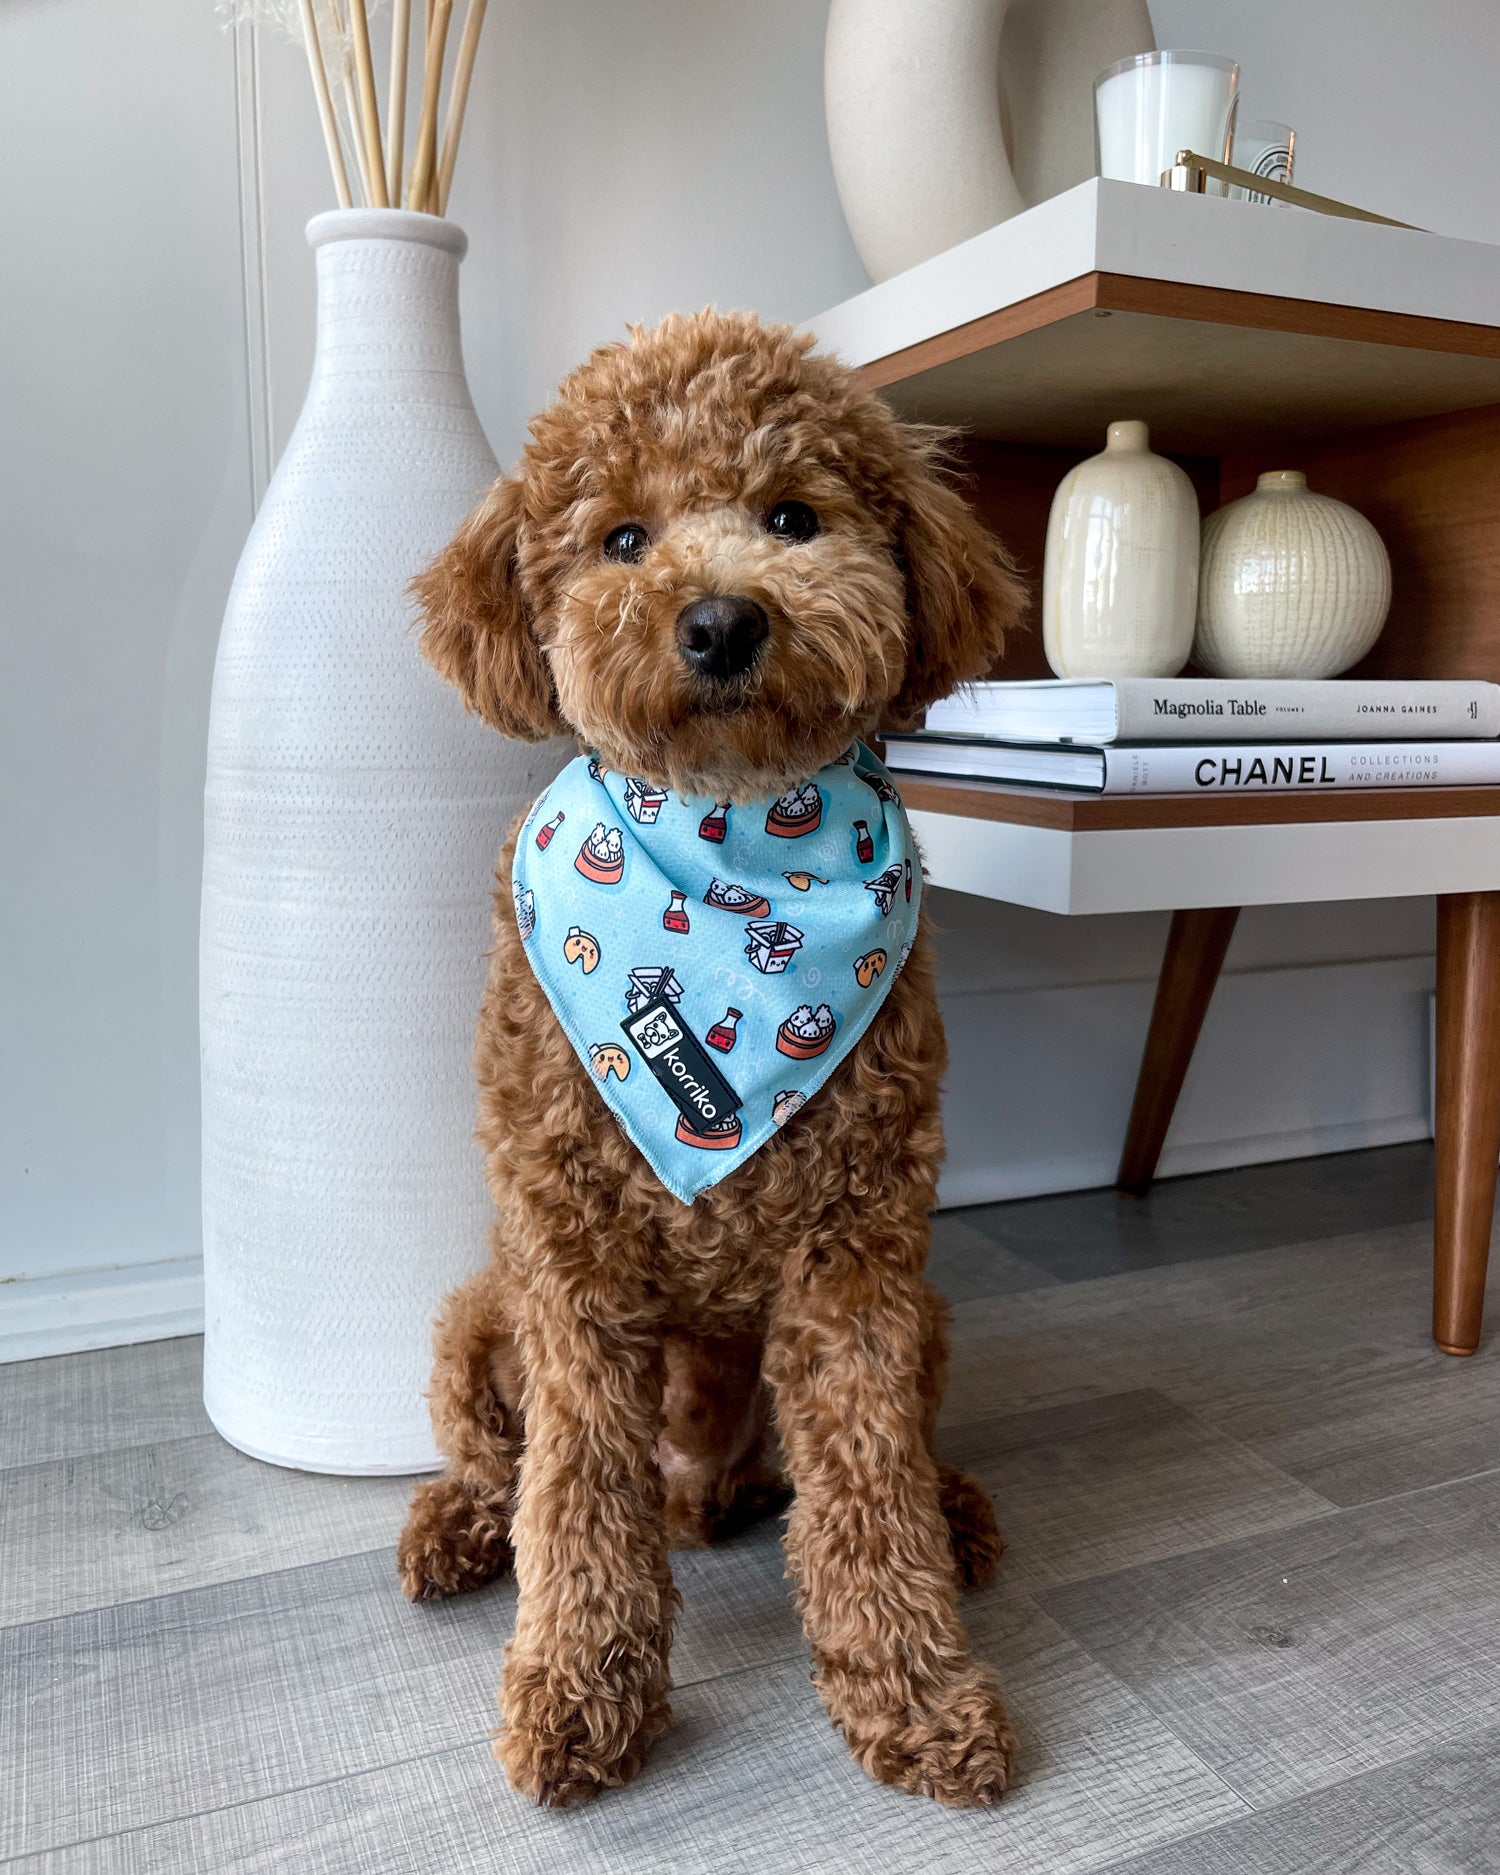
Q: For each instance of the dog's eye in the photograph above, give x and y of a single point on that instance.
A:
(792, 520)
(627, 544)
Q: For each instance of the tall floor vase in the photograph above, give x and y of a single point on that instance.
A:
(353, 814)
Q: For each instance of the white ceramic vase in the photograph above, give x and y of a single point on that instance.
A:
(353, 813)
(949, 116)
(1120, 572)
(1291, 584)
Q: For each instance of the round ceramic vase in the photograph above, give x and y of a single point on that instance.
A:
(353, 813)
(1120, 574)
(949, 116)
(1292, 584)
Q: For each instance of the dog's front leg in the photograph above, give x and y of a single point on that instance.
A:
(585, 1686)
(866, 1536)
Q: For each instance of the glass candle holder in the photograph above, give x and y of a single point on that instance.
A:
(1267, 149)
(1149, 107)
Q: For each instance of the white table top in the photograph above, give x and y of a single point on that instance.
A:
(1115, 300)
(1121, 227)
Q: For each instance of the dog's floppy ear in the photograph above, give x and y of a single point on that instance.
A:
(963, 593)
(477, 630)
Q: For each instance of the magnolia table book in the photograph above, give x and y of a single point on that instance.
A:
(1215, 709)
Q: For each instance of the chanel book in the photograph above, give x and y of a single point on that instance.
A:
(1218, 709)
(1193, 768)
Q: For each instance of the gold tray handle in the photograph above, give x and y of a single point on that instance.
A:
(1189, 175)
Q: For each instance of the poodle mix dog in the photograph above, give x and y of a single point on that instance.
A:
(720, 562)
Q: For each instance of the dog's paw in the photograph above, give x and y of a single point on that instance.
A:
(955, 1745)
(560, 1751)
(453, 1540)
(972, 1530)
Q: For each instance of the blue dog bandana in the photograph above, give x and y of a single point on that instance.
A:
(712, 962)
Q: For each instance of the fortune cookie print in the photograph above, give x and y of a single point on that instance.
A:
(581, 947)
(608, 1058)
(803, 881)
(798, 811)
(868, 967)
(602, 856)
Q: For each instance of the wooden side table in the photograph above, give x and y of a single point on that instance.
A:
(1202, 857)
(1248, 338)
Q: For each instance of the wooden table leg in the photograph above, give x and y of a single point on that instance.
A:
(1468, 1112)
(1195, 951)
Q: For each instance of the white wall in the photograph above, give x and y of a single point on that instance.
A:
(619, 161)
(125, 494)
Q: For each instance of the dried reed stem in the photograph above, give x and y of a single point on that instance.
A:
(432, 78)
(395, 110)
(369, 109)
(458, 98)
(349, 115)
(325, 105)
(350, 121)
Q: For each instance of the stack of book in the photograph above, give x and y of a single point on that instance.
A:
(1200, 735)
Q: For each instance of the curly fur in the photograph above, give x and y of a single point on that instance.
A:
(630, 1371)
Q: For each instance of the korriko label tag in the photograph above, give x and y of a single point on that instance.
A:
(678, 1060)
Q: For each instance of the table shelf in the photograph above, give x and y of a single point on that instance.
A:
(1368, 356)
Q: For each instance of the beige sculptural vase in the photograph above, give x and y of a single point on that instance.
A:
(1120, 572)
(949, 116)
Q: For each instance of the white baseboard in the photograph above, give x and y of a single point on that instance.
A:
(108, 1308)
(991, 1184)
(1305, 1143)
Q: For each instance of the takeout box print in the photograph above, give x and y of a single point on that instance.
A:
(643, 801)
(773, 944)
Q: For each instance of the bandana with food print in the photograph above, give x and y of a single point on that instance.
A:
(712, 962)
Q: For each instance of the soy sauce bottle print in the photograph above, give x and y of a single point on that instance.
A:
(675, 917)
(723, 1035)
(864, 846)
(544, 834)
(714, 823)
(908, 882)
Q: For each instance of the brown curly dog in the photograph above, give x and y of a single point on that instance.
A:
(609, 1385)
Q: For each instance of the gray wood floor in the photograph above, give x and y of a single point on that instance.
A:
(1249, 1621)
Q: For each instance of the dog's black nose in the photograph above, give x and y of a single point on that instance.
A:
(721, 637)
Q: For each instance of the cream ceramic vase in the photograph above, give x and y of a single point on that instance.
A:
(1291, 584)
(353, 813)
(948, 116)
(1120, 573)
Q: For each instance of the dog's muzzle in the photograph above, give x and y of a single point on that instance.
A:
(720, 638)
